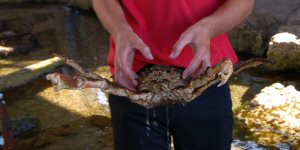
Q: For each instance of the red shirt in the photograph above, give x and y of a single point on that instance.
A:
(159, 23)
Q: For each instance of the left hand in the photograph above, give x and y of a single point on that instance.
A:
(198, 37)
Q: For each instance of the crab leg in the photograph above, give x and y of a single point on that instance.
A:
(220, 72)
(77, 67)
(242, 65)
(223, 69)
(62, 81)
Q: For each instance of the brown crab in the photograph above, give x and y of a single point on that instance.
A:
(157, 85)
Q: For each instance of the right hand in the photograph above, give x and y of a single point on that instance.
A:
(126, 45)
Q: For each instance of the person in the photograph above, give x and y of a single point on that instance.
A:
(191, 34)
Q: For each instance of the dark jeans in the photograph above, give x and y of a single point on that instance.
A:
(203, 124)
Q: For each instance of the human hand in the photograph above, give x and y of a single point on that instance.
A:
(126, 45)
(198, 37)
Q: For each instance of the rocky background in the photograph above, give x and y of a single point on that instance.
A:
(30, 29)
(271, 31)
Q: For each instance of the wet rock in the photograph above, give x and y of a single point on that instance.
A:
(24, 126)
(100, 121)
(24, 143)
(7, 34)
(20, 25)
(284, 49)
(6, 51)
(1, 25)
(82, 4)
(274, 115)
(28, 73)
(294, 19)
(247, 40)
(44, 141)
(277, 9)
(243, 145)
(251, 145)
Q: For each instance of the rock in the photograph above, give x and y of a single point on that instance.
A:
(100, 121)
(6, 51)
(294, 19)
(274, 115)
(24, 126)
(277, 9)
(82, 4)
(44, 141)
(24, 143)
(238, 144)
(284, 49)
(1, 25)
(29, 73)
(247, 40)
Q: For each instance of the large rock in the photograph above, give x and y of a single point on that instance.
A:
(294, 19)
(284, 49)
(82, 4)
(267, 11)
(274, 115)
(246, 40)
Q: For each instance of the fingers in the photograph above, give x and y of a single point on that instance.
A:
(125, 50)
(179, 45)
(123, 81)
(125, 66)
(201, 69)
(198, 64)
(145, 50)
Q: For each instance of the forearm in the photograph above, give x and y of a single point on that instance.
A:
(112, 16)
(230, 14)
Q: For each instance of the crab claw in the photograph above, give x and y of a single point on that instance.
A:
(226, 70)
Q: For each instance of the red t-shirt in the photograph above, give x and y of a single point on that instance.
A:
(159, 23)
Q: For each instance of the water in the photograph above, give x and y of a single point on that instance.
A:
(154, 116)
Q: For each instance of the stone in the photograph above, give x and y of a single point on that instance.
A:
(277, 9)
(246, 40)
(25, 143)
(294, 19)
(82, 4)
(100, 121)
(274, 113)
(29, 73)
(284, 49)
(1, 25)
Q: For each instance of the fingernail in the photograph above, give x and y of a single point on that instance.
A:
(172, 55)
(150, 56)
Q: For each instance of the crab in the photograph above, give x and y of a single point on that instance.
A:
(157, 85)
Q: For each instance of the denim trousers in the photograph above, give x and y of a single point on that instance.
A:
(205, 123)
